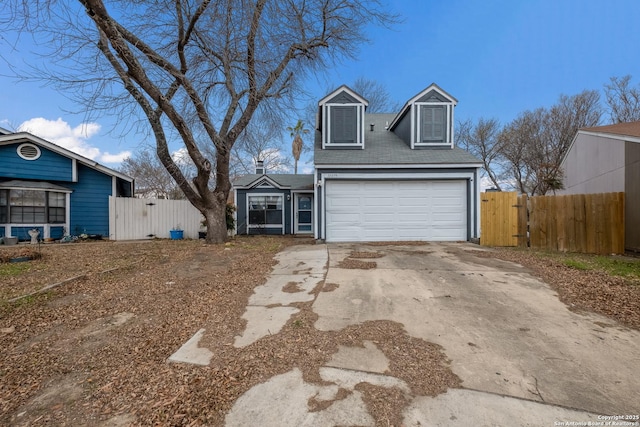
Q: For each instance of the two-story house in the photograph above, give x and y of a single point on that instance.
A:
(380, 177)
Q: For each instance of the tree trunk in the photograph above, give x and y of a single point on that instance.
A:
(215, 217)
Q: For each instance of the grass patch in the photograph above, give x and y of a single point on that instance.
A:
(619, 267)
(7, 307)
(13, 269)
(613, 265)
(577, 264)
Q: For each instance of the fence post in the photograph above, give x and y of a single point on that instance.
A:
(523, 221)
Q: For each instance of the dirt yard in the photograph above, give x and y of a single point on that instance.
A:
(93, 350)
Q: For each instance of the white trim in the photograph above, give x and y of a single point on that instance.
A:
(472, 186)
(27, 137)
(436, 88)
(28, 144)
(611, 135)
(296, 210)
(67, 218)
(401, 166)
(256, 184)
(326, 134)
(74, 170)
(316, 189)
(46, 226)
(281, 195)
(398, 176)
(448, 126)
(52, 190)
(235, 211)
(607, 135)
(411, 101)
(344, 88)
(412, 127)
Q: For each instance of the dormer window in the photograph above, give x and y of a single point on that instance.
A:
(433, 124)
(342, 119)
(343, 124)
(426, 120)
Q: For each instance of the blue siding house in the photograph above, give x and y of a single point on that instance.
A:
(46, 187)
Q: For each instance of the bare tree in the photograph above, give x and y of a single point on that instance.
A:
(194, 67)
(622, 100)
(518, 140)
(535, 143)
(152, 179)
(260, 141)
(380, 100)
(481, 139)
(563, 121)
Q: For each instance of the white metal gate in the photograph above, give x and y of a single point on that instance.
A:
(134, 219)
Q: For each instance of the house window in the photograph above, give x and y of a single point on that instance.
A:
(57, 208)
(265, 211)
(433, 124)
(4, 205)
(344, 124)
(32, 207)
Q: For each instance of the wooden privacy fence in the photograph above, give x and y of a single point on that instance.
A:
(135, 219)
(587, 223)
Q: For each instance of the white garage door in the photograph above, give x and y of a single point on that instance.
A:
(379, 211)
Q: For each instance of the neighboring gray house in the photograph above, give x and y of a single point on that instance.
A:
(379, 177)
(606, 159)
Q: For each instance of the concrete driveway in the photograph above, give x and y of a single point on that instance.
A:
(523, 357)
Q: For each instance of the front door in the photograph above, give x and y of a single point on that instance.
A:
(304, 213)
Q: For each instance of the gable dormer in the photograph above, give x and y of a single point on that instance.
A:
(426, 120)
(341, 119)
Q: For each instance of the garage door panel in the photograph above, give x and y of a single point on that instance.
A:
(402, 210)
(413, 201)
(378, 202)
(345, 202)
(346, 218)
(409, 218)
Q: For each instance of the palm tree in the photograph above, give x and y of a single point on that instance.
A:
(296, 147)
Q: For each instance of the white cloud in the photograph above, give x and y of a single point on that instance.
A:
(181, 157)
(107, 157)
(73, 139)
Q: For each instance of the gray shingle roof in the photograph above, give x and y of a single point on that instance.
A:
(289, 180)
(385, 147)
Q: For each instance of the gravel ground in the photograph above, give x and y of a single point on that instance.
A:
(589, 290)
(93, 351)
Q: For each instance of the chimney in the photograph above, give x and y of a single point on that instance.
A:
(260, 167)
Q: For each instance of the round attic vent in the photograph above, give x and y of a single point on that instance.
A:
(28, 151)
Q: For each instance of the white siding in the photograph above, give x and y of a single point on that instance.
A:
(134, 219)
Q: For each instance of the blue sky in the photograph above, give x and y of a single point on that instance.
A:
(497, 57)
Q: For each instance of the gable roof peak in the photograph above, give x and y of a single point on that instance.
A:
(348, 90)
(429, 88)
(22, 137)
(415, 98)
